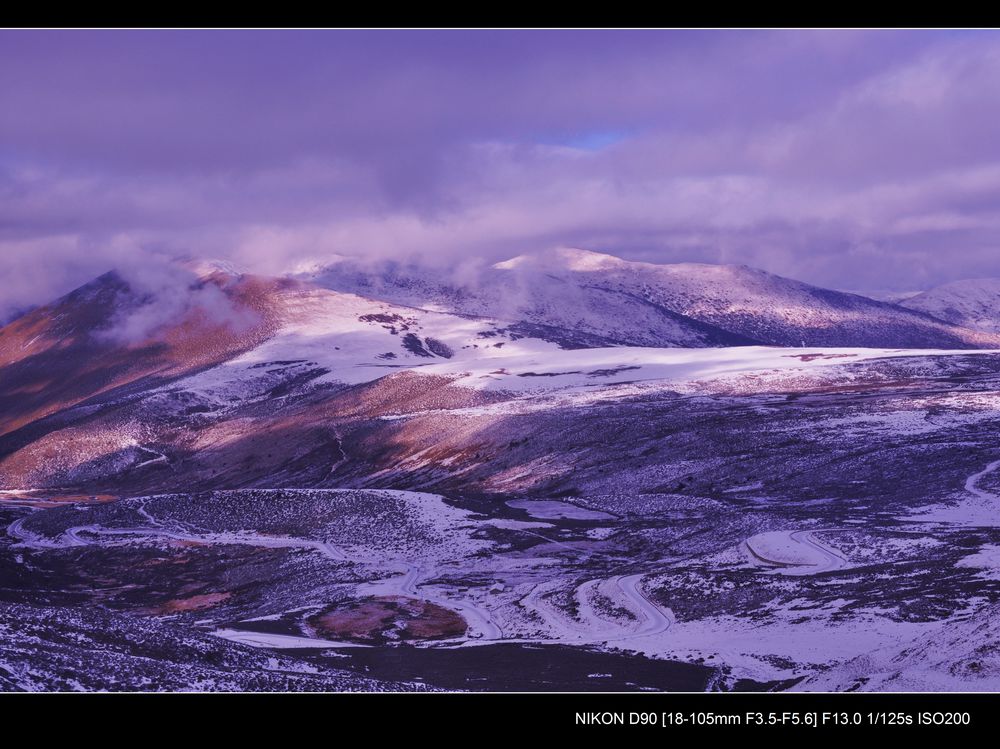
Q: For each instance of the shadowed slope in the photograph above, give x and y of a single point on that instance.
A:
(67, 352)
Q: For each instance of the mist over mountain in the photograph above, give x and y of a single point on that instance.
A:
(645, 304)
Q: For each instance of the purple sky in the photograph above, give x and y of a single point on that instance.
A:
(863, 160)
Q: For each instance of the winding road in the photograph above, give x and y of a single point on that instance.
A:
(816, 556)
(480, 621)
(482, 628)
(657, 619)
(819, 556)
(970, 483)
(654, 620)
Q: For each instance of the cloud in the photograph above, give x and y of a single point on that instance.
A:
(163, 294)
(837, 157)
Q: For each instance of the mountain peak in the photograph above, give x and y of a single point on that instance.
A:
(566, 258)
(203, 268)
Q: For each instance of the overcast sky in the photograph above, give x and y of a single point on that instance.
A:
(859, 160)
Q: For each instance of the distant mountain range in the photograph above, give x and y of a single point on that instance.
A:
(113, 337)
(609, 301)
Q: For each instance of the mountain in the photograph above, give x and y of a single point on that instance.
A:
(972, 303)
(534, 294)
(89, 381)
(196, 461)
(110, 334)
(882, 295)
(198, 340)
(251, 381)
(618, 302)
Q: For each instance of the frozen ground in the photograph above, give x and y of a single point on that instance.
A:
(380, 496)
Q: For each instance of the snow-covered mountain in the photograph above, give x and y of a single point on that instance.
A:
(534, 294)
(218, 330)
(214, 341)
(606, 300)
(972, 303)
(359, 324)
(882, 295)
(207, 460)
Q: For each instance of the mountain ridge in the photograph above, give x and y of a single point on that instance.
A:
(646, 304)
(972, 303)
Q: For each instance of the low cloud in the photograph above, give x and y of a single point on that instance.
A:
(162, 294)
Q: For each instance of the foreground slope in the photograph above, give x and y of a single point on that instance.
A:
(962, 657)
(89, 650)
